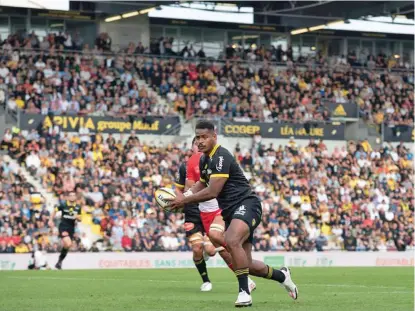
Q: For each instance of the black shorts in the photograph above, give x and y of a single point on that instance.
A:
(65, 228)
(192, 222)
(250, 211)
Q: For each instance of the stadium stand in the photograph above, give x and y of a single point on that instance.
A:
(355, 199)
(73, 83)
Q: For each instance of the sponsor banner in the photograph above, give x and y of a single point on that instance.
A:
(399, 133)
(167, 260)
(326, 131)
(151, 125)
(348, 110)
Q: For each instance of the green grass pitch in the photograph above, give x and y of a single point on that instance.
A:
(337, 289)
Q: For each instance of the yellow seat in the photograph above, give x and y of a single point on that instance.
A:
(96, 229)
(87, 219)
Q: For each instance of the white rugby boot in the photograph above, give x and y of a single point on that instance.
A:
(244, 300)
(289, 284)
(206, 287)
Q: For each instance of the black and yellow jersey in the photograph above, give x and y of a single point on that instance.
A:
(221, 163)
(69, 212)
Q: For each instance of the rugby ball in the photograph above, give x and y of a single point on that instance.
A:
(161, 195)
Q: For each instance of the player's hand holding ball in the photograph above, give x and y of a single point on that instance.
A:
(165, 197)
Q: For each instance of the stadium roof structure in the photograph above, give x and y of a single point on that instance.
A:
(293, 14)
(309, 13)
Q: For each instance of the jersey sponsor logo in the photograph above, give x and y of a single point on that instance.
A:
(219, 166)
(241, 210)
(177, 176)
(188, 226)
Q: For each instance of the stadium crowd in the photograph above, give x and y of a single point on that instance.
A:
(60, 82)
(355, 198)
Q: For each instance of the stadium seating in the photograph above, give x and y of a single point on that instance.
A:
(95, 83)
(357, 199)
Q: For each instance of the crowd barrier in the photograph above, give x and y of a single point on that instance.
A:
(167, 260)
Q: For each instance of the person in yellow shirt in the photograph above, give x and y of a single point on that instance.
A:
(96, 153)
(302, 85)
(347, 206)
(98, 139)
(21, 248)
(180, 104)
(378, 117)
(188, 89)
(405, 162)
(211, 89)
(20, 103)
(79, 162)
(37, 200)
(305, 199)
(366, 146)
(325, 229)
(391, 184)
(353, 182)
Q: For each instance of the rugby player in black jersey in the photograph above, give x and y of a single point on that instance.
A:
(71, 212)
(222, 178)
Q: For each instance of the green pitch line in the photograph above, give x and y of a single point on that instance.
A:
(320, 289)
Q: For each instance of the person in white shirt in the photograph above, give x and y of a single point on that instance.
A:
(171, 95)
(38, 261)
(133, 172)
(313, 232)
(295, 198)
(170, 242)
(33, 161)
(322, 196)
(204, 104)
(40, 64)
(4, 71)
(86, 242)
(84, 133)
(48, 72)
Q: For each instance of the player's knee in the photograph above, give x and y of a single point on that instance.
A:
(232, 241)
(197, 250)
(216, 237)
(210, 249)
(67, 243)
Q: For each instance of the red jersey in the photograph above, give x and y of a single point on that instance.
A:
(192, 167)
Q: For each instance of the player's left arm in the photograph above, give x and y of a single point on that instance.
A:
(220, 173)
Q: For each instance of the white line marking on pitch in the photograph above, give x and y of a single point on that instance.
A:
(220, 282)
